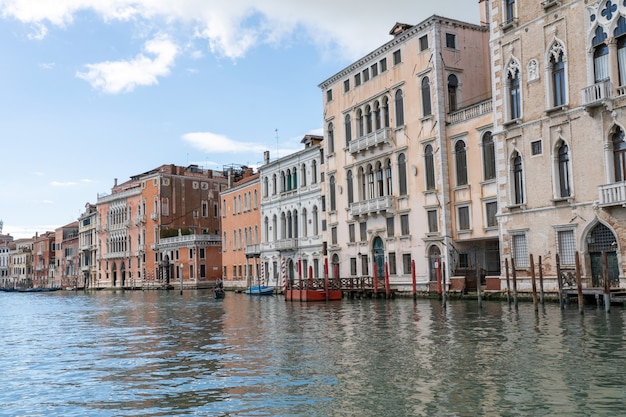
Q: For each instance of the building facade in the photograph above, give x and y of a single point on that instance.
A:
(291, 214)
(559, 76)
(66, 255)
(5, 240)
(396, 124)
(87, 246)
(241, 234)
(44, 262)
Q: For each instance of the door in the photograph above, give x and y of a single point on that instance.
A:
(378, 255)
(601, 239)
(597, 277)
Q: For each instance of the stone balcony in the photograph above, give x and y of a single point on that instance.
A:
(253, 250)
(612, 194)
(373, 206)
(286, 244)
(378, 137)
(596, 95)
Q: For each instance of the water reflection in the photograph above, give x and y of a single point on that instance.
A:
(157, 353)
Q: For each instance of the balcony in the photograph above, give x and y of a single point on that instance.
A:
(154, 216)
(378, 137)
(373, 206)
(596, 95)
(140, 219)
(613, 194)
(287, 244)
(253, 250)
(470, 112)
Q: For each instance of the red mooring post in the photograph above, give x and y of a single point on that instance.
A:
(387, 288)
(413, 279)
(300, 277)
(375, 279)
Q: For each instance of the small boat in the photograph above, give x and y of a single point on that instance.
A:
(218, 293)
(260, 290)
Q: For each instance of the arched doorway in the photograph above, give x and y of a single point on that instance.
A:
(601, 239)
(123, 274)
(114, 272)
(335, 266)
(434, 256)
(291, 272)
(378, 255)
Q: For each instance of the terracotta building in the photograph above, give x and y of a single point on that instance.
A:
(44, 263)
(66, 255)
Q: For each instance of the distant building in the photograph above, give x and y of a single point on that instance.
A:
(44, 263)
(241, 222)
(5, 241)
(21, 263)
(66, 255)
(161, 227)
(88, 246)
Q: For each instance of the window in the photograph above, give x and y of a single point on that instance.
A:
(205, 209)
(346, 86)
(518, 179)
(329, 95)
(429, 163)
(450, 41)
(314, 172)
(404, 224)
(433, 221)
(392, 263)
(383, 65)
(621, 58)
(491, 209)
(619, 155)
(566, 242)
(463, 218)
(558, 76)
(333, 232)
(426, 103)
(514, 98)
(391, 227)
(399, 109)
(519, 250)
(460, 163)
(333, 200)
(363, 231)
(365, 265)
(600, 56)
(350, 187)
(536, 147)
(331, 138)
(374, 70)
(453, 85)
(366, 74)
(489, 157)
(406, 263)
(402, 174)
(353, 266)
(351, 233)
(423, 43)
(509, 11)
(357, 80)
(348, 128)
(564, 170)
(397, 57)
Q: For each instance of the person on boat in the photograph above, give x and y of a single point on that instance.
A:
(218, 283)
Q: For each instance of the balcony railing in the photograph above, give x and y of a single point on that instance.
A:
(140, 219)
(375, 205)
(596, 94)
(286, 244)
(253, 249)
(154, 216)
(613, 194)
(370, 140)
(471, 112)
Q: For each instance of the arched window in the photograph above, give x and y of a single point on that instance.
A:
(305, 228)
(314, 172)
(295, 224)
(514, 98)
(331, 138)
(350, 187)
(385, 112)
(489, 157)
(274, 228)
(564, 170)
(460, 156)
(426, 104)
(557, 65)
(283, 226)
(348, 128)
(453, 85)
(294, 178)
(266, 229)
(510, 12)
(370, 183)
(303, 175)
(315, 221)
(402, 174)
(600, 56)
(266, 186)
(333, 200)
(380, 184)
(518, 178)
(359, 123)
(389, 177)
(274, 184)
(362, 188)
(620, 34)
(377, 119)
(288, 181)
(619, 155)
(368, 119)
(399, 109)
(429, 167)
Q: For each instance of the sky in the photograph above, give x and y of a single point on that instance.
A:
(94, 90)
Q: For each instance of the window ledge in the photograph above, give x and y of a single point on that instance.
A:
(547, 4)
(432, 234)
(516, 207)
(557, 109)
(558, 200)
(464, 232)
(427, 192)
(512, 122)
(506, 26)
(425, 118)
(405, 237)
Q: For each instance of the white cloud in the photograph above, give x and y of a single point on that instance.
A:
(115, 77)
(63, 184)
(216, 143)
(231, 28)
(47, 65)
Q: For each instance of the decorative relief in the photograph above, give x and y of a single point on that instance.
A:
(533, 70)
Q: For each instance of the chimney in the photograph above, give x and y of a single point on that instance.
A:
(114, 182)
(230, 178)
(266, 157)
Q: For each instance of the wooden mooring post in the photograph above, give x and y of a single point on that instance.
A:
(387, 286)
(508, 283)
(413, 280)
(375, 275)
(607, 282)
(514, 283)
(533, 282)
(559, 279)
(579, 284)
(478, 284)
(541, 297)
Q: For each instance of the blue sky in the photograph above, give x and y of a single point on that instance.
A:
(93, 90)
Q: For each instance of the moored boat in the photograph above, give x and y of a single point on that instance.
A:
(260, 290)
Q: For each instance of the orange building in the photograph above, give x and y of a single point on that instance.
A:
(161, 226)
(44, 260)
(241, 221)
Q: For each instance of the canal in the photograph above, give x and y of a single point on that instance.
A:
(162, 354)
